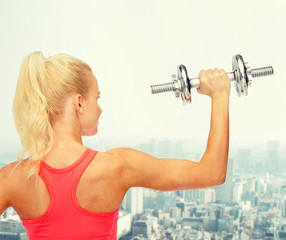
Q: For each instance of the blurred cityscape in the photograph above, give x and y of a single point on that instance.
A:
(251, 204)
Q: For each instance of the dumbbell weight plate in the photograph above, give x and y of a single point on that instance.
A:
(185, 84)
(240, 75)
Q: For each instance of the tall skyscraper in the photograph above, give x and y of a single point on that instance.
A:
(237, 191)
(134, 201)
(273, 164)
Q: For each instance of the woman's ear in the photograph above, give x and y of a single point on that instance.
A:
(78, 100)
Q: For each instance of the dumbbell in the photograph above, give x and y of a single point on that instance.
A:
(242, 76)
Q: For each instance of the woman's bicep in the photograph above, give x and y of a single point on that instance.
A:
(163, 174)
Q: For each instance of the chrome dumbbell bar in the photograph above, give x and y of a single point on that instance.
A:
(242, 76)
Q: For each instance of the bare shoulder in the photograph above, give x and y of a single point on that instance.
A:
(12, 179)
(7, 170)
(115, 154)
(116, 160)
(122, 153)
(13, 170)
(122, 156)
(7, 181)
(116, 151)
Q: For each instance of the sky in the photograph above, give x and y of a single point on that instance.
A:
(131, 45)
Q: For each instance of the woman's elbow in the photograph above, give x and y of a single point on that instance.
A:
(216, 177)
(219, 179)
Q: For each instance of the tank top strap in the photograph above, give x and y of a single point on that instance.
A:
(66, 178)
(62, 183)
(83, 165)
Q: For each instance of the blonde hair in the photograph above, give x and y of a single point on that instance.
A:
(42, 86)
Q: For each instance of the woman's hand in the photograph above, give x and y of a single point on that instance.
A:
(214, 83)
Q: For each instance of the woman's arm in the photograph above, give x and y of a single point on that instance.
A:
(143, 170)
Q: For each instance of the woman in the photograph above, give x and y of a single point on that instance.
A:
(68, 191)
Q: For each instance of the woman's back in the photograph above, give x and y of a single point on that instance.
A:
(81, 198)
(98, 189)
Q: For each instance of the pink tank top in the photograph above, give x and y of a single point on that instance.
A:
(65, 219)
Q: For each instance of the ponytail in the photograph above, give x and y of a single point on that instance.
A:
(41, 89)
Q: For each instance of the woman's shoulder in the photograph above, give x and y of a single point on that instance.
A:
(116, 155)
(14, 170)
(119, 152)
(113, 159)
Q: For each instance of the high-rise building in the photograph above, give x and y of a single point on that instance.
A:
(134, 201)
(191, 195)
(175, 212)
(207, 195)
(141, 227)
(272, 161)
(123, 224)
(250, 184)
(12, 229)
(225, 224)
(237, 191)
